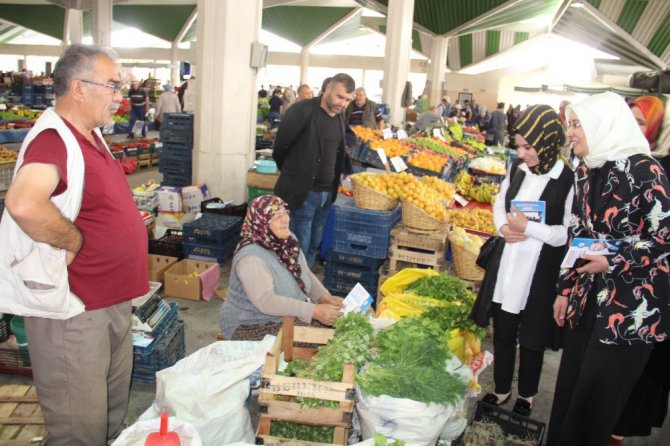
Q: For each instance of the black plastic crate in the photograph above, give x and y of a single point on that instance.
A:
(341, 286)
(344, 271)
(164, 329)
(443, 174)
(212, 229)
(174, 167)
(237, 210)
(168, 245)
(178, 152)
(13, 362)
(510, 422)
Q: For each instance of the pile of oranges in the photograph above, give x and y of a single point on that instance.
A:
(427, 159)
(392, 147)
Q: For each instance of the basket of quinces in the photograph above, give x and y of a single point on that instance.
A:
(464, 251)
(377, 192)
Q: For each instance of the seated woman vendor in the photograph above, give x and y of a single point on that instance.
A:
(269, 278)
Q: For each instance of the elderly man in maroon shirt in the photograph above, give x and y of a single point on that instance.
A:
(82, 365)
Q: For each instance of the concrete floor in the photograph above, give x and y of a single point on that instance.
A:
(202, 327)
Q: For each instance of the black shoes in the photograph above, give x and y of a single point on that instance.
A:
(522, 407)
(492, 398)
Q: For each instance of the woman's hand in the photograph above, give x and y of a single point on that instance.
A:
(517, 220)
(327, 314)
(330, 299)
(595, 264)
(512, 236)
(560, 307)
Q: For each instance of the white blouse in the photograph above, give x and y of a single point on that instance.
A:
(518, 262)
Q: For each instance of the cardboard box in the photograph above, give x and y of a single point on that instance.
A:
(169, 199)
(158, 265)
(183, 278)
(192, 196)
(261, 180)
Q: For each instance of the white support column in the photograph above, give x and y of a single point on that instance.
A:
(174, 64)
(73, 29)
(225, 114)
(101, 22)
(438, 66)
(398, 45)
(304, 64)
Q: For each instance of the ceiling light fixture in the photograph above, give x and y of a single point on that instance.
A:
(577, 4)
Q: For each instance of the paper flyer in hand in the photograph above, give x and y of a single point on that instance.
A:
(358, 300)
(534, 210)
(594, 246)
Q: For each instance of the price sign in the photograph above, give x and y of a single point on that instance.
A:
(489, 151)
(3, 106)
(398, 164)
(438, 134)
(460, 200)
(387, 133)
(382, 155)
(402, 134)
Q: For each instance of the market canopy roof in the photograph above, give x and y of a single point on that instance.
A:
(637, 31)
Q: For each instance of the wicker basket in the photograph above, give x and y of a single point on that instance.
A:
(464, 263)
(416, 219)
(368, 198)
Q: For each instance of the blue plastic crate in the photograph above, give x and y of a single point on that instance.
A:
(178, 135)
(353, 261)
(142, 355)
(342, 271)
(363, 232)
(212, 229)
(364, 153)
(339, 286)
(169, 166)
(219, 253)
(159, 355)
(176, 120)
(177, 151)
(176, 180)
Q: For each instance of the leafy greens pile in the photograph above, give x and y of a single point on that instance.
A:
(411, 364)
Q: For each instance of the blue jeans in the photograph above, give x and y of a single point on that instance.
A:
(309, 222)
(135, 114)
(272, 117)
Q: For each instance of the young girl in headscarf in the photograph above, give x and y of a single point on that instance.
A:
(616, 307)
(270, 278)
(520, 280)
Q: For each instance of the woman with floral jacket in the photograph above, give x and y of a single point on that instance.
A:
(616, 307)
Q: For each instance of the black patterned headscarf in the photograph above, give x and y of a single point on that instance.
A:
(541, 126)
(256, 231)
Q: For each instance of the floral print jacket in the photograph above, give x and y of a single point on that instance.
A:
(633, 297)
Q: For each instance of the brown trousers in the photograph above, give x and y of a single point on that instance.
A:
(82, 368)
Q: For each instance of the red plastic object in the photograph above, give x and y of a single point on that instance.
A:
(163, 437)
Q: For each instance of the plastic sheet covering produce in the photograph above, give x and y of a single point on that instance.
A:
(209, 388)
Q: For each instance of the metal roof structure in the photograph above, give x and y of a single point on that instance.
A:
(637, 31)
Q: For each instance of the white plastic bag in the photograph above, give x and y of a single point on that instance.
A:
(458, 420)
(137, 434)
(209, 388)
(414, 422)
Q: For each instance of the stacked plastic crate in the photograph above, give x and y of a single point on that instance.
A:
(27, 95)
(359, 246)
(176, 134)
(212, 237)
(166, 348)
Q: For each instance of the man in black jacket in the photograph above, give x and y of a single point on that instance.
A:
(310, 152)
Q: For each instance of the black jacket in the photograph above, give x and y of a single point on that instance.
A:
(297, 151)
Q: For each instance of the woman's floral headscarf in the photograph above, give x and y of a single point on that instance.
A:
(256, 231)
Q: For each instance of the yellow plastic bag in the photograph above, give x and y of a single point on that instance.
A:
(404, 278)
(399, 305)
(464, 345)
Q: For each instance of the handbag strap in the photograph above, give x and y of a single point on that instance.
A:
(516, 176)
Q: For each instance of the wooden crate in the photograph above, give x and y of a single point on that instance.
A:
(277, 398)
(417, 249)
(21, 420)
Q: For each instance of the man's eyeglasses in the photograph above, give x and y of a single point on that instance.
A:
(114, 86)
